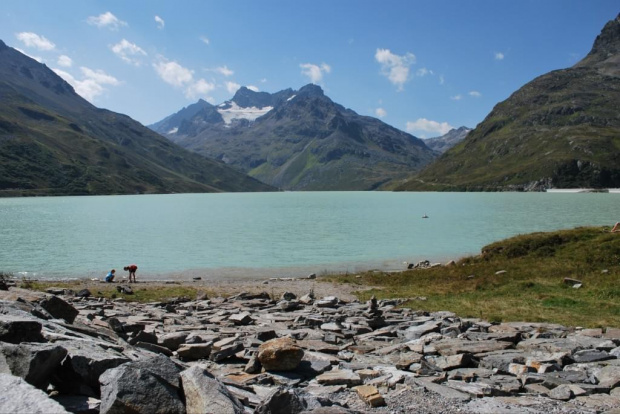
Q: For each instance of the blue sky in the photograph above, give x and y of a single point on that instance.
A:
(421, 66)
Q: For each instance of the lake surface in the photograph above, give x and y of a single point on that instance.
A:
(272, 234)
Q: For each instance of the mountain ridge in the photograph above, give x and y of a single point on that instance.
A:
(54, 142)
(560, 130)
(300, 140)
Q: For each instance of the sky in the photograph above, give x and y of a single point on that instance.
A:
(423, 67)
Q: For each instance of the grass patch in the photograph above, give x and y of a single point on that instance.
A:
(143, 293)
(531, 289)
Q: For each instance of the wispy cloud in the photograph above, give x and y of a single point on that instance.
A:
(253, 88)
(129, 52)
(223, 70)
(395, 67)
(456, 97)
(199, 89)
(205, 40)
(424, 125)
(380, 112)
(423, 72)
(36, 41)
(106, 20)
(232, 87)
(64, 61)
(173, 73)
(499, 56)
(475, 94)
(92, 82)
(315, 72)
(160, 22)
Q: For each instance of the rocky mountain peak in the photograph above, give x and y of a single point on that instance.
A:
(3, 45)
(311, 90)
(605, 53)
(247, 98)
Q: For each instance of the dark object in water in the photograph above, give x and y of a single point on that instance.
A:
(197, 278)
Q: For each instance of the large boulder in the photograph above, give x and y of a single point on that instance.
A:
(287, 401)
(145, 386)
(58, 308)
(280, 354)
(85, 363)
(17, 396)
(33, 362)
(205, 394)
(16, 329)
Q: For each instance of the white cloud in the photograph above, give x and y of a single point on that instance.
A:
(264, 80)
(34, 40)
(423, 72)
(456, 97)
(129, 52)
(106, 19)
(224, 71)
(475, 94)
(426, 125)
(232, 87)
(442, 80)
(199, 89)
(315, 72)
(160, 22)
(64, 61)
(499, 56)
(253, 88)
(395, 67)
(205, 40)
(173, 73)
(92, 83)
(380, 112)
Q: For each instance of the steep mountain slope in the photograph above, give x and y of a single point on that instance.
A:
(298, 140)
(54, 142)
(445, 142)
(560, 130)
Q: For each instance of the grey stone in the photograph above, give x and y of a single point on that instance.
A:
(173, 340)
(445, 392)
(146, 386)
(459, 346)
(419, 331)
(142, 336)
(326, 302)
(242, 318)
(15, 329)
(225, 352)
(287, 401)
(561, 392)
(453, 361)
(19, 397)
(192, 352)
(339, 377)
(206, 394)
(33, 362)
(608, 376)
(154, 348)
(59, 308)
(84, 364)
(590, 355)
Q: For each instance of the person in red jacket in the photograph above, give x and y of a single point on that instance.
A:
(132, 272)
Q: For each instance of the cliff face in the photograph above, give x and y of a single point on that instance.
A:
(559, 130)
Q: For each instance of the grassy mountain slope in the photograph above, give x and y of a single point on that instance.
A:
(560, 130)
(53, 142)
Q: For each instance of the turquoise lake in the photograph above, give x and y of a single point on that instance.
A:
(284, 234)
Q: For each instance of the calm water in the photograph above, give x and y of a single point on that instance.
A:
(272, 234)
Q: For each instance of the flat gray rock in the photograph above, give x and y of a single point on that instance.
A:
(19, 397)
(206, 394)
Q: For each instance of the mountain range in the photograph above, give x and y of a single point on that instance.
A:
(54, 142)
(298, 140)
(560, 130)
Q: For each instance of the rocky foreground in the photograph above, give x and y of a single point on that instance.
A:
(66, 352)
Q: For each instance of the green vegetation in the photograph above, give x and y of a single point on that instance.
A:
(143, 293)
(532, 287)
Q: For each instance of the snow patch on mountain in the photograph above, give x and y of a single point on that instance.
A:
(173, 130)
(234, 111)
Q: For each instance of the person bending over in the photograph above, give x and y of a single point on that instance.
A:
(132, 272)
(110, 276)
